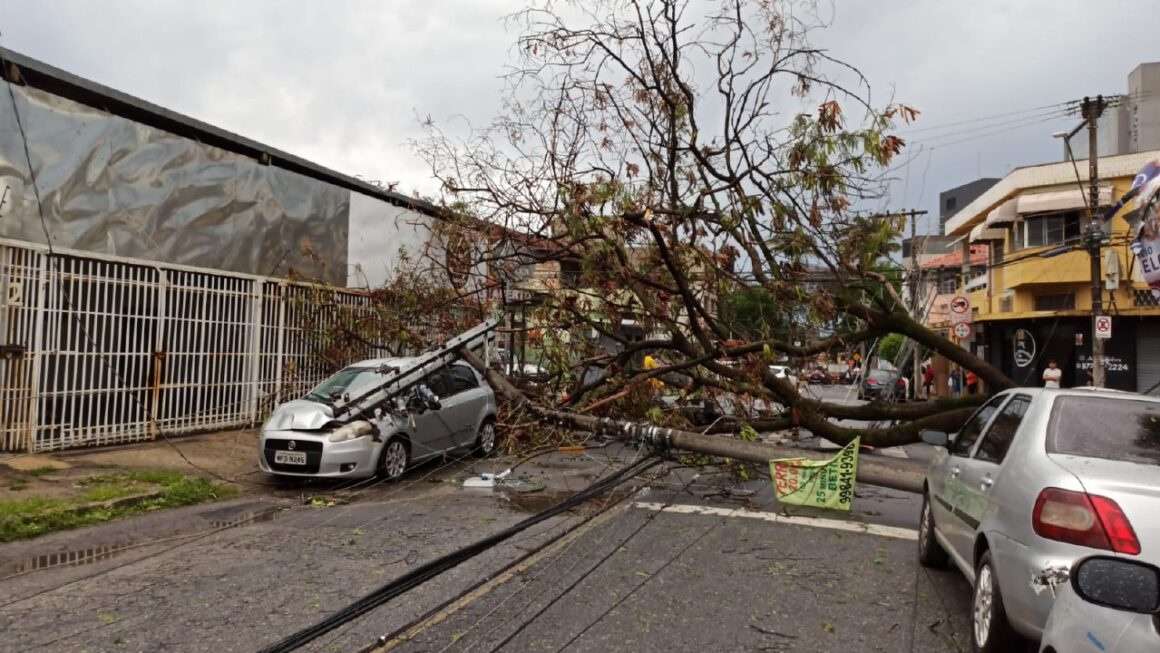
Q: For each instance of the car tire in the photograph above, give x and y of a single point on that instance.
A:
(990, 630)
(485, 439)
(930, 552)
(394, 459)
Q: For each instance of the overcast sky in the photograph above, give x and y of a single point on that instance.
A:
(345, 83)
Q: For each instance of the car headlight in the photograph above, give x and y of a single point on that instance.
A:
(351, 431)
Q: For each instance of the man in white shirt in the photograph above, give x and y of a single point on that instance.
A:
(1052, 375)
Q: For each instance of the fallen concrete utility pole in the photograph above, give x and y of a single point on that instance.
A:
(898, 474)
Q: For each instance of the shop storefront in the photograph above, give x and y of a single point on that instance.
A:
(1023, 348)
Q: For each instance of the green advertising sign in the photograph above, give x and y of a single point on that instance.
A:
(817, 483)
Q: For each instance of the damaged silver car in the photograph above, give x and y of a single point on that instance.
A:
(1035, 479)
(323, 435)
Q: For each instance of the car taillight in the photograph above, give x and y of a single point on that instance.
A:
(872, 381)
(1086, 520)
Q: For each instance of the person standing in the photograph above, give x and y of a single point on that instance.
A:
(954, 383)
(972, 382)
(927, 380)
(1052, 375)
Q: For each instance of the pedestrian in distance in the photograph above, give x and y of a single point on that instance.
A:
(927, 380)
(1052, 375)
(954, 383)
(972, 382)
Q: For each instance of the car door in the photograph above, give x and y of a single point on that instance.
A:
(948, 497)
(982, 470)
(432, 432)
(462, 406)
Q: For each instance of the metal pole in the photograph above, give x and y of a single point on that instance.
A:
(1091, 112)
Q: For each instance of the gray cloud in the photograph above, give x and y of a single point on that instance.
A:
(342, 83)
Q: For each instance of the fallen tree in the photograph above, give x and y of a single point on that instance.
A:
(655, 160)
(900, 475)
(659, 157)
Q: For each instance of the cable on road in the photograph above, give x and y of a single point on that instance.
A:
(620, 546)
(434, 568)
(402, 631)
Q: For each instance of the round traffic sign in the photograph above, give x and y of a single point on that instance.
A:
(962, 331)
(960, 304)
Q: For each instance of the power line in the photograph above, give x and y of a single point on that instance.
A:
(1056, 106)
(436, 567)
(1031, 119)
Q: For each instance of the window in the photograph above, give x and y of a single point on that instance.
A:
(970, 432)
(1105, 427)
(950, 204)
(948, 285)
(1015, 235)
(346, 383)
(1055, 302)
(570, 273)
(998, 439)
(1051, 229)
(440, 382)
(463, 379)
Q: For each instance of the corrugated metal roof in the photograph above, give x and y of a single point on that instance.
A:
(38, 74)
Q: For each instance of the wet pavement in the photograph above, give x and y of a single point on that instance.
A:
(695, 560)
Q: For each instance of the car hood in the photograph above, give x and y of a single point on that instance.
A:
(300, 415)
(1134, 486)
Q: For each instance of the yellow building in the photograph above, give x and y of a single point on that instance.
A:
(1031, 301)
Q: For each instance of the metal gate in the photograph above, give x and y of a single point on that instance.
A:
(1148, 362)
(98, 350)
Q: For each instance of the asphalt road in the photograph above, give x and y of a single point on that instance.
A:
(693, 560)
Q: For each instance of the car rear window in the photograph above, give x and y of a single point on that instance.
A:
(1105, 427)
(880, 375)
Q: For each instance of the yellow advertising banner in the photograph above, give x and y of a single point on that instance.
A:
(817, 483)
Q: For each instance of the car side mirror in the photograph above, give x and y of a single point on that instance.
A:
(1118, 583)
(936, 438)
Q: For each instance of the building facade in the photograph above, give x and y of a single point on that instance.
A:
(1031, 302)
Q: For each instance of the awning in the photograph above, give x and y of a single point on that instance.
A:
(1003, 214)
(981, 232)
(1060, 200)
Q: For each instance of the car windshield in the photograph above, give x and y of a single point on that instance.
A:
(1105, 427)
(349, 381)
(879, 375)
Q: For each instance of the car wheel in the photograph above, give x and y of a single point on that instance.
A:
(990, 630)
(394, 459)
(485, 441)
(930, 552)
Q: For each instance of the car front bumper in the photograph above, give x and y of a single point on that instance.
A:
(355, 458)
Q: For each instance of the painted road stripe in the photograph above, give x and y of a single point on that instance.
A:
(855, 527)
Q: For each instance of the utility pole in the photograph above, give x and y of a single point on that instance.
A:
(916, 303)
(1095, 233)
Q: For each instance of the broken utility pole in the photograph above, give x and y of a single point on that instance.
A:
(896, 474)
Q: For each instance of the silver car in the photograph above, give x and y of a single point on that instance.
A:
(1035, 479)
(450, 408)
(1110, 605)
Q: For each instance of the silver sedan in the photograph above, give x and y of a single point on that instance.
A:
(1035, 479)
(451, 408)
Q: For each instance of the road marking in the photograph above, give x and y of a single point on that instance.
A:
(854, 527)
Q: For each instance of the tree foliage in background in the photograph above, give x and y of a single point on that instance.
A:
(889, 346)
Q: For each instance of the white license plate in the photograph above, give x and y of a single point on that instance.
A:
(290, 457)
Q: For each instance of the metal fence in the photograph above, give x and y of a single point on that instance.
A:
(99, 350)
